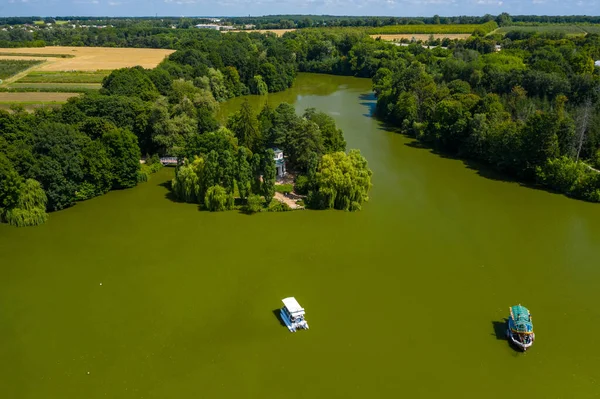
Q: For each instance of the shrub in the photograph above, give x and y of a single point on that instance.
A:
(155, 167)
(284, 188)
(254, 203)
(30, 209)
(152, 164)
(302, 185)
(276, 206)
(216, 199)
(85, 191)
(574, 179)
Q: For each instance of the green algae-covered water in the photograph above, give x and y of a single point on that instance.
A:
(131, 295)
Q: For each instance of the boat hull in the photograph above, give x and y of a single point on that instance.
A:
(516, 342)
(291, 325)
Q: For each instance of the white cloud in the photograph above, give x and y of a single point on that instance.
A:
(115, 3)
(85, 2)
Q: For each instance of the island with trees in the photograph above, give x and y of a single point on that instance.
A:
(526, 104)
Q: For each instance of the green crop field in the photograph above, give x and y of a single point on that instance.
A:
(64, 77)
(591, 28)
(54, 87)
(569, 30)
(433, 29)
(9, 68)
(423, 29)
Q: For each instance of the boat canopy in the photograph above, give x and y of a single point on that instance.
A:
(520, 320)
(293, 306)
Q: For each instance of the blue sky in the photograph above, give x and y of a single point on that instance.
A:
(266, 7)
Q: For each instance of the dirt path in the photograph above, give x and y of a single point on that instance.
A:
(286, 200)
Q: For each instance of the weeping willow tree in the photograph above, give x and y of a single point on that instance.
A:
(341, 182)
(187, 182)
(30, 208)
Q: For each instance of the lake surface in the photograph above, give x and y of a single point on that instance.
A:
(131, 295)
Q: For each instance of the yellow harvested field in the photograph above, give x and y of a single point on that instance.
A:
(92, 58)
(421, 36)
(278, 32)
(35, 97)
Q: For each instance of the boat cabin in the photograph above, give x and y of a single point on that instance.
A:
(292, 314)
(293, 309)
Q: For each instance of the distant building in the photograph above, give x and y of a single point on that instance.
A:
(214, 27)
(279, 162)
(208, 26)
(249, 26)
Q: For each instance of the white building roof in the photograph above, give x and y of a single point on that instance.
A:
(292, 305)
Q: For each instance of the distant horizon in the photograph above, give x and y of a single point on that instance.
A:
(291, 15)
(263, 8)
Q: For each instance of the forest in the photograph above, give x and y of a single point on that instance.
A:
(530, 111)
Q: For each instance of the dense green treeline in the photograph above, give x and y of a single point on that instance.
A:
(531, 110)
(49, 163)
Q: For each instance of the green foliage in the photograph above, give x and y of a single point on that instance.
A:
(9, 68)
(170, 132)
(342, 182)
(276, 206)
(64, 77)
(302, 185)
(217, 199)
(85, 191)
(132, 82)
(258, 86)
(244, 173)
(245, 127)
(10, 184)
(187, 182)
(59, 162)
(269, 175)
(96, 168)
(153, 162)
(284, 188)
(427, 29)
(569, 30)
(123, 150)
(254, 203)
(30, 208)
(569, 177)
(333, 138)
(217, 85)
(143, 175)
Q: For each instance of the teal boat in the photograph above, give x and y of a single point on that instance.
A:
(520, 327)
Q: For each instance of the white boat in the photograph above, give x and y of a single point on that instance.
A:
(292, 315)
